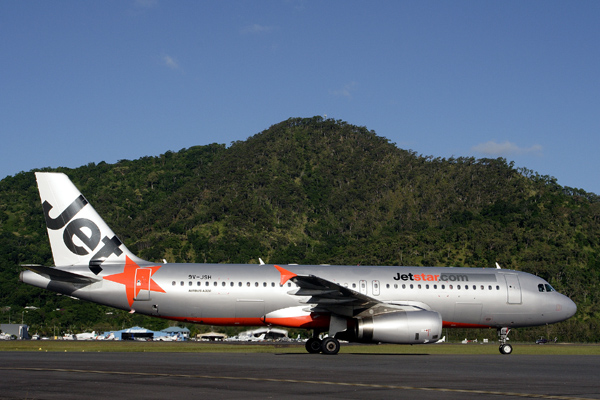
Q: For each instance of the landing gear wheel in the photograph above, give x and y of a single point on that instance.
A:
(313, 345)
(330, 346)
(506, 349)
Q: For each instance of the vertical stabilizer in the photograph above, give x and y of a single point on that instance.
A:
(78, 235)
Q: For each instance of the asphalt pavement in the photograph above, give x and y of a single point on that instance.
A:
(32, 375)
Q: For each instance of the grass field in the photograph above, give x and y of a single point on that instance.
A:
(215, 347)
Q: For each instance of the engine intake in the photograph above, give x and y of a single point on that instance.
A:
(400, 327)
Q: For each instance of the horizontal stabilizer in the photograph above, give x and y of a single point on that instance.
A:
(59, 275)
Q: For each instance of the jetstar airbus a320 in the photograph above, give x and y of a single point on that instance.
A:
(406, 305)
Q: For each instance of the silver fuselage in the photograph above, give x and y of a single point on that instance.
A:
(246, 294)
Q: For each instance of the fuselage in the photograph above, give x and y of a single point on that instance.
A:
(249, 294)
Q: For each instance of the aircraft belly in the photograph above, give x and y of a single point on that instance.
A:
(468, 313)
(218, 308)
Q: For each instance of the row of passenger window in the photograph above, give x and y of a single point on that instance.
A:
(388, 286)
(232, 284)
(435, 286)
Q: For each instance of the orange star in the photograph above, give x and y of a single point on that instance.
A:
(135, 278)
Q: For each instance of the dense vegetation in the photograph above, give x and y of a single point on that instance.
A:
(314, 191)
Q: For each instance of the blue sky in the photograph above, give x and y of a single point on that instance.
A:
(91, 81)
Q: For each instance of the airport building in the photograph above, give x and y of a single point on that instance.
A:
(17, 330)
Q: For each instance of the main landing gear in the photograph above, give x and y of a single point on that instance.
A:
(329, 345)
(505, 348)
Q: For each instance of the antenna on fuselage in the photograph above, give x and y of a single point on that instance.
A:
(498, 266)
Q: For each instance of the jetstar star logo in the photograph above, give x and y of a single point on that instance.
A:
(136, 279)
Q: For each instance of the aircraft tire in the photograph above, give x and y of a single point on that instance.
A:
(330, 346)
(506, 349)
(313, 345)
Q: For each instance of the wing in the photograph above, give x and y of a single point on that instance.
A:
(326, 296)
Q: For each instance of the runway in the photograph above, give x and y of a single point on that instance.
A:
(31, 375)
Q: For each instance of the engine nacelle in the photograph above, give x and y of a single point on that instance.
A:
(401, 327)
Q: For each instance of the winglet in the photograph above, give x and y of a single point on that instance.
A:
(285, 274)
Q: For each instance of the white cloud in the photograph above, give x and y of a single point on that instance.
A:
(256, 28)
(170, 62)
(507, 148)
(345, 91)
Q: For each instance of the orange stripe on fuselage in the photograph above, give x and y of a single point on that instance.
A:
(305, 322)
(448, 324)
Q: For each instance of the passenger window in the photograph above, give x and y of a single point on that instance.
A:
(182, 283)
(240, 284)
(264, 284)
(198, 283)
(216, 283)
(190, 283)
(490, 287)
(412, 286)
(174, 283)
(426, 286)
(207, 283)
(272, 284)
(403, 286)
(482, 287)
(354, 286)
(450, 287)
(224, 283)
(248, 284)
(419, 286)
(466, 287)
(497, 287)
(395, 286)
(443, 286)
(387, 286)
(435, 286)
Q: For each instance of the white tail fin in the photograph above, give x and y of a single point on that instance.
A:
(78, 235)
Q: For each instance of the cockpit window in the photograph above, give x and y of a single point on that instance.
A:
(544, 287)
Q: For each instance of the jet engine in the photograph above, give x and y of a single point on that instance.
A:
(400, 327)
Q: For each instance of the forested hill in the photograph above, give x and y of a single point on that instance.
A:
(316, 191)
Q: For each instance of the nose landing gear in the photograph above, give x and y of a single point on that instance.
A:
(505, 348)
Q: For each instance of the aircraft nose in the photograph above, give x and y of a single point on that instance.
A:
(568, 307)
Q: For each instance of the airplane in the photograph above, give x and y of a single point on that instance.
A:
(86, 336)
(368, 304)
